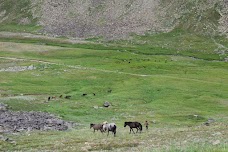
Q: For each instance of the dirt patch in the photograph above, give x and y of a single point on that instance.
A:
(223, 102)
(10, 47)
(16, 97)
(42, 47)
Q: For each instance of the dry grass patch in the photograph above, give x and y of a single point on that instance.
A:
(223, 102)
(10, 46)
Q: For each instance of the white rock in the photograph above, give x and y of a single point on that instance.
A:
(216, 142)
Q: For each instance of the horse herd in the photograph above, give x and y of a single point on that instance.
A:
(112, 127)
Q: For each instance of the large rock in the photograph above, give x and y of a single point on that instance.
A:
(106, 104)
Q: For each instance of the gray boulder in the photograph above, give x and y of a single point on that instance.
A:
(106, 104)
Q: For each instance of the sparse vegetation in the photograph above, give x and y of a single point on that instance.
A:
(19, 28)
(176, 80)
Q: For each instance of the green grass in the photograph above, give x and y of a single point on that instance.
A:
(148, 82)
(166, 78)
(84, 139)
(178, 43)
(19, 28)
(194, 86)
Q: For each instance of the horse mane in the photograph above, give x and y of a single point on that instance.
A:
(128, 122)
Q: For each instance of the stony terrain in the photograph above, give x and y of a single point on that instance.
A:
(118, 19)
(27, 121)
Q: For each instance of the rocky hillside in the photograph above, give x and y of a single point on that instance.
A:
(115, 18)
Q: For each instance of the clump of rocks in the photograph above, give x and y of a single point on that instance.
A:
(18, 68)
(11, 121)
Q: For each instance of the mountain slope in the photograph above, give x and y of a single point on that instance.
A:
(117, 19)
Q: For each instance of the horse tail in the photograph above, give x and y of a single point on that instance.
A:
(114, 129)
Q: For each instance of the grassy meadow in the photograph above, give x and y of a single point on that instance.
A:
(166, 79)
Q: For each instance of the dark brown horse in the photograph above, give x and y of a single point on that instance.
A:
(97, 127)
(132, 125)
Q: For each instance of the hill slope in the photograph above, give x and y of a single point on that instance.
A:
(116, 19)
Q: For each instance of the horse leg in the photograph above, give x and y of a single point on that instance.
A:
(114, 133)
(132, 130)
(108, 133)
(101, 131)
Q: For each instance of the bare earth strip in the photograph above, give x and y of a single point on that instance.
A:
(44, 37)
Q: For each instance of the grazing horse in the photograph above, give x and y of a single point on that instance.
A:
(67, 97)
(97, 127)
(109, 90)
(110, 127)
(132, 125)
(84, 94)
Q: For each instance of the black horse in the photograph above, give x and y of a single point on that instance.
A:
(132, 125)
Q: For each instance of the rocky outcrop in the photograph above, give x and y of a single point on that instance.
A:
(26, 121)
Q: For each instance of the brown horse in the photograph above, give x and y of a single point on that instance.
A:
(132, 125)
(97, 127)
